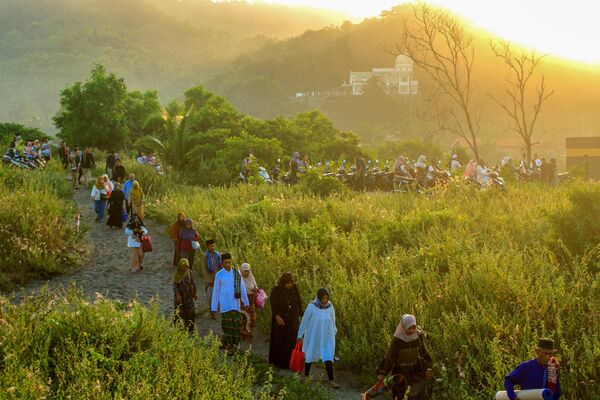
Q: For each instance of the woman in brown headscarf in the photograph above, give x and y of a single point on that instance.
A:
(174, 230)
(184, 290)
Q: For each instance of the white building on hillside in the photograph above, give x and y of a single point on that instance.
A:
(396, 80)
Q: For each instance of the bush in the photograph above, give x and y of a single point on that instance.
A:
(320, 185)
(478, 270)
(577, 225)
(58, 345)
(37, 235)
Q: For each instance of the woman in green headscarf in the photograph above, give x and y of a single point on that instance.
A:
(184, 290)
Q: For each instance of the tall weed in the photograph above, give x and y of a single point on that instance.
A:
(478, 269)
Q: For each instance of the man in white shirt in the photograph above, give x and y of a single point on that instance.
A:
(229, 290)
(455, 164)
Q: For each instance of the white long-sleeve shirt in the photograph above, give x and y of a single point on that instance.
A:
(318, 329)
(223, 298)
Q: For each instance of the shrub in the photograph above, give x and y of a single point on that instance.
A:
(320, 185)
(476, 268)
(58, 345)
(577, 225)
(37, 235)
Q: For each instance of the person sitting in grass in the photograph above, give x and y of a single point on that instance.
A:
(409, 358)
(228, 294)
(538, 373)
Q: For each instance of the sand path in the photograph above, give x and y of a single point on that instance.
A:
(106, 271)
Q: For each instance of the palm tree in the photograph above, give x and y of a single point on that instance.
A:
(176, 137)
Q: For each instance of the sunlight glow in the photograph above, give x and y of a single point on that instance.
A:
(565, 29)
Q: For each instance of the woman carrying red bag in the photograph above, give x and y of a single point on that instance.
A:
(135, 230)
(317, 334)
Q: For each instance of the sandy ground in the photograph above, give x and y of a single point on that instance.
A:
(106, 271)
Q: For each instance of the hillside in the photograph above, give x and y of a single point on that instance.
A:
(264, 83)
(45, 45)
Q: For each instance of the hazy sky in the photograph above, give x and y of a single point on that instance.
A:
(568, 28)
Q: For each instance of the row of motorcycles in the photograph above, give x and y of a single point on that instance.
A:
(15, 159)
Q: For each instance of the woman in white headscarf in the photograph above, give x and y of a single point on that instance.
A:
(407, 357)
(249, 315)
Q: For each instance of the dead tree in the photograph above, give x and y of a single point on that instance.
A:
(521, 105)
(440, 46)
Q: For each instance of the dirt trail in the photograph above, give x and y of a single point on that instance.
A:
(106, 271)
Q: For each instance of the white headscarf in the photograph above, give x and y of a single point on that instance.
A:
(421, 162)
(249, 282)
(406, 322)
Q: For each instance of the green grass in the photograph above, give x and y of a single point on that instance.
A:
(57, 345)
(485, 273)
(37, 231)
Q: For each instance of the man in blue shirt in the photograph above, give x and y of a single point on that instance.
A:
(538, 373)
(228, 292)
(126, 189)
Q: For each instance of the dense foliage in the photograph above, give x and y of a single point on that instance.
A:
(8, 130)
(37, 231)
(480, 270)
(57, 345)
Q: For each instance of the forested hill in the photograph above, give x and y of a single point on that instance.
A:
(263, 83)
(167, 45)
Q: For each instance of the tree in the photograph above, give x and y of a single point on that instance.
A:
(439, 45)
(8, 130)
(93, 114)
(177, 136)
(522, 106)
(138, 108)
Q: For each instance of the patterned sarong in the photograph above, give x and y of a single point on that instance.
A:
(231, 322)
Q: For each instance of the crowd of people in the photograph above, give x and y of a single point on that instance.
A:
(233, 294)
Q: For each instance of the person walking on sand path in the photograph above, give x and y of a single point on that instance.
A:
(211, 264)
(249, 314)
(188, 242)
(286, 308)
(173, 232)
(75, 163)
(87, 165)
(118, 172)
(127, 186)
(136, 200)
(115, 207)
(99, 195)
(407, 356)
(184, 290)
(135, 230)
(229, 292)
(317, 334)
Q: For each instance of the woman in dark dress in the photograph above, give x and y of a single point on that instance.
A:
(287, 311)
(115, 207)
(184, 290)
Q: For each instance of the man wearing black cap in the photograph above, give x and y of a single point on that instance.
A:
(538, 373)
(229, 290)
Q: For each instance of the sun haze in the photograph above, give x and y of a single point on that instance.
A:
(568, 30)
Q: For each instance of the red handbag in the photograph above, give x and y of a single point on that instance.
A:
(297, 360)
(146, 244)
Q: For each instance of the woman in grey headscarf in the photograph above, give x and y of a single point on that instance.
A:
(407, 357)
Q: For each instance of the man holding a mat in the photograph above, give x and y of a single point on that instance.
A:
(541, 372)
